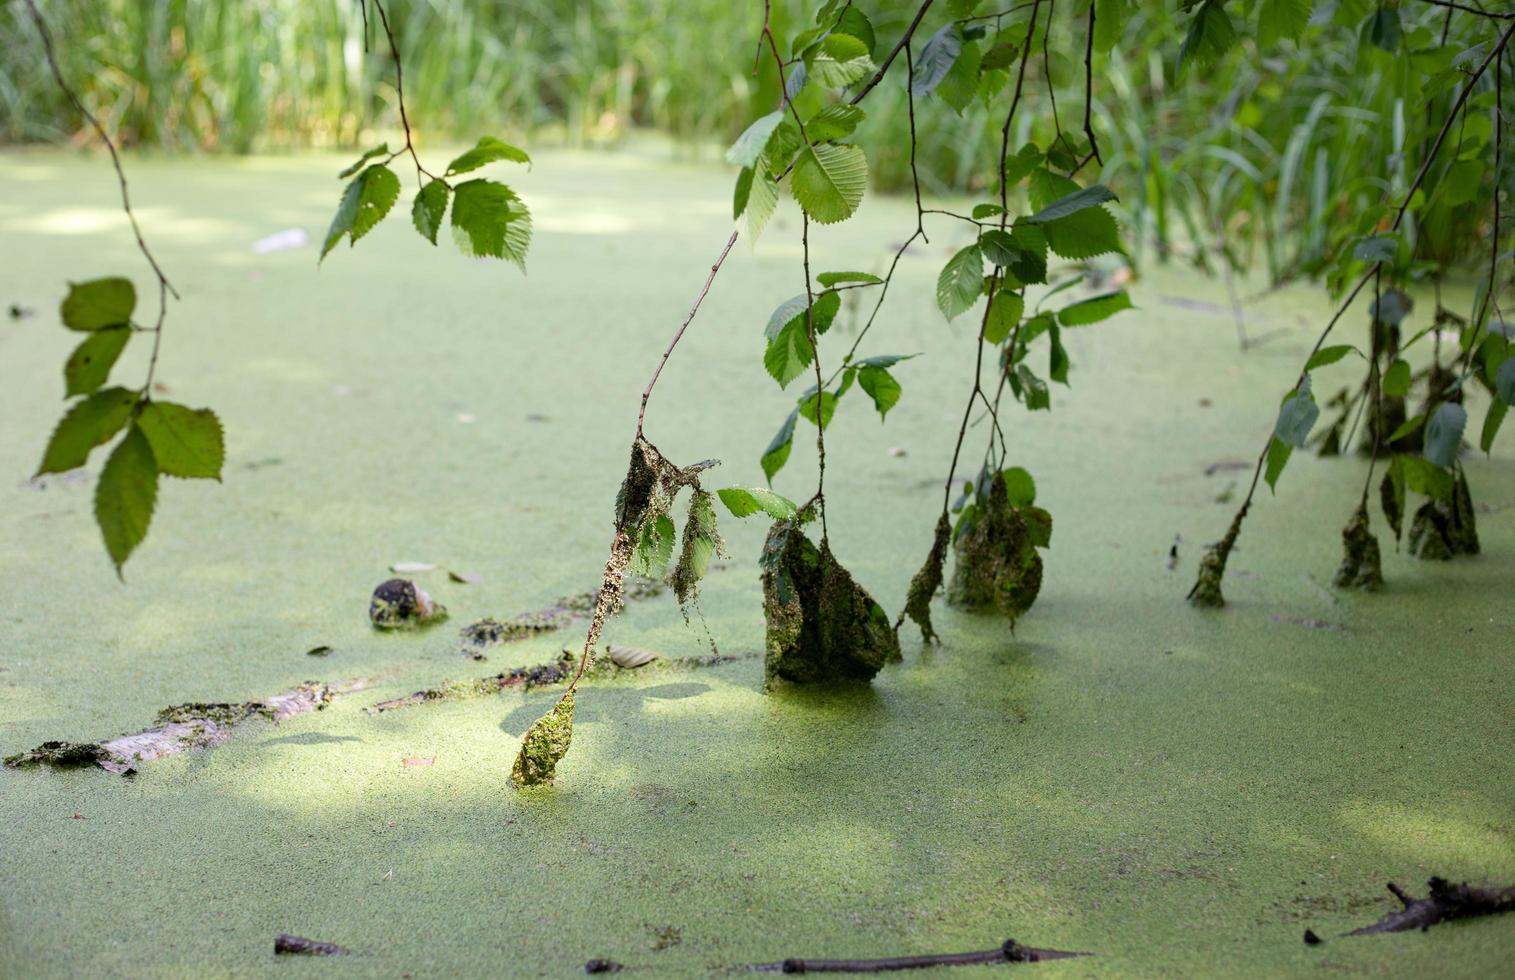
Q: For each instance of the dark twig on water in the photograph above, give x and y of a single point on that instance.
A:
(1009, 952)
(285, 944)
(1445, 903)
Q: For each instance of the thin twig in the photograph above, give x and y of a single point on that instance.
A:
(1089, 90)
(394, 50)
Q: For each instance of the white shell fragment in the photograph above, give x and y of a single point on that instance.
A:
(630, 657)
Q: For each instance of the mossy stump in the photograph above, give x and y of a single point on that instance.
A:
(998, 567)
(822, 626)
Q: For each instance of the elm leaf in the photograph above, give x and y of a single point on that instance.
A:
(125, 496)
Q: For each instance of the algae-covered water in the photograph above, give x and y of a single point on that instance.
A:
(1177, 792)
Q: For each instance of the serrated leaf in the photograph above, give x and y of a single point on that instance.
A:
(378, 151)
(88, 367)
(1378, 248)
(982, 211)
(840, 60)
(1209, 37)
(754, 139)
(1094, 309)
(791, 313)
(1005, 311)
(853, 21)
(89, 423)
(936, 59)
(1330, 355)
(1033, 390)
(960, 282)
(833, 122)
(789, 352)
(654, 547)
(777, 453)
(488, 150)
(825, 405)
(186, 442)
(125, 496)
(1491, 423)
(1282, 19)
(430, 206)
(1425, 477)
(828, 181)
(762, 201)
(99, 303)
(1278, 457)
(958, 87)
(741, 193)
(365, 202)
(1407, 427)
(1444, 433)
(746, 501)
(488, 219)
(1297, 416)
(1084, 197)
(1084, 235)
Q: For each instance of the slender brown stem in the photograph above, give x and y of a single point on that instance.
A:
(394, 50)
(1375, 389)
(1449, 5)
(1089, 90)
(883, 69)
(165, 288)
(820, 391)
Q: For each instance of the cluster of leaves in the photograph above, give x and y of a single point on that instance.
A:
(160, 438)
(489, 220)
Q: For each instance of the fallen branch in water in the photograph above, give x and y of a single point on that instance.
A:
(489, 632)
(179, 728)
(1010, 952)
(1445, 903)
(542, 675)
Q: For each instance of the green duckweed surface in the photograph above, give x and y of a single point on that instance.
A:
(1179, 792)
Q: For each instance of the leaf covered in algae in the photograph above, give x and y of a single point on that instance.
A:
(997, 565)
(924, 586)
(822, 626)
(546, 743)
(1360, 566)
(1444, 529)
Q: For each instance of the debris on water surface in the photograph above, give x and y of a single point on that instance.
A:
(1445, 902)
(59, 755)
(602, 966)
(545, 744)
(398, 604)
(281, 241)
(319, 651)
(821, 625)
(465, 578)
(926, 582)
(285, 944)
(629, 657)
(412, 567)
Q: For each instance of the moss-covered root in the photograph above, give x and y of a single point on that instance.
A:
(60, 755)
(545, 744)
(926, 582)
(1444, 529)
(997, 564)
(822, 626)
(1212, 568)
(1360, 567)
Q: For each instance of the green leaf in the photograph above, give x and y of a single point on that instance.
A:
(1377, 248)
(1084, 235)
(742, 193)
(1278, 457)
(762, 201)
(881, 386)
(936, 59)
(90, 423)
(125, 496)
(1330, 355)
(789, 352)
(1085, 197)
(654, 547)
(1504, 381)
(1396, 380)
(1019, 486)
(1491, 424)
(1425, 477)
(1033, 390)
(431, 204)
(1094, 309)
(982, 211)
(1282, 19)
(1297, 415)
(853, 21)
(186, 442)
(1025, 160)
(99, 303)
(837, 278)
(791, 313)
(958, 87)
(1005, 311)
(378, 151)
(960, 282)
(488, 219)
(833, 122)
(1209, 37)
(702, 541)
(1407, 427)
(840, 60)
(1391, 495)
(809, 403)
(1444, 433)
(88, 367)
(1382, 28)
(754, 139)
(1058, 364)
(365, 202)
(828, 181)
(488, 150)
(777, 453)
(746, 501)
